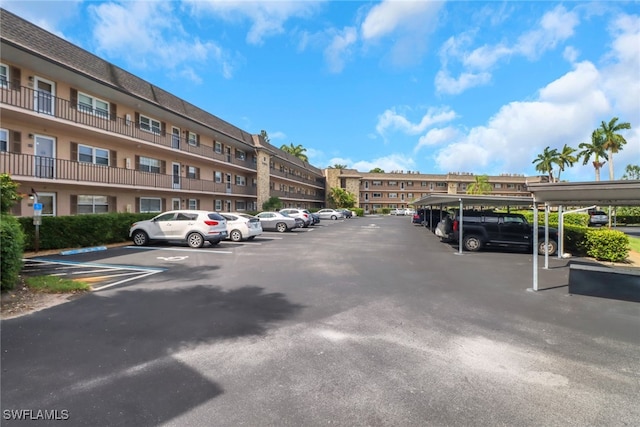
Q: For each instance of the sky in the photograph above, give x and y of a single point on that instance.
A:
(412, 85)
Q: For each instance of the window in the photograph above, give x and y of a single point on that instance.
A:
(88, 204)
(497, 185)
(150, 165)
(441, 184)
(150, 204)
(511, 186)
(218, 205)
(240, 155)
(377, 195)
(150, 125)
(217, 147)
(410, 195)
(423, 184)
(193, 204)
(241, 205)
(409, 183)
(192, 172)
(4, 75)
(192, 138)
(241, 180)
(378, 183)
(393, 183)
(97, 156)
(4, 140)
(393, 195)
(48, 201)
(92, 105)
(218, 176)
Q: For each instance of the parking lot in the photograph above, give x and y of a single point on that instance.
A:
(366, 321)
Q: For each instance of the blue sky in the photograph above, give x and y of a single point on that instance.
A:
(433, 87)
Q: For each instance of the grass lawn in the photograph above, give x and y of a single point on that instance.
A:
(55, 285)
(634, 242)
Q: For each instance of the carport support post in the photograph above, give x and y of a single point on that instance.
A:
(546, 236)
(560, 232)
(535, 246)
(460, 230)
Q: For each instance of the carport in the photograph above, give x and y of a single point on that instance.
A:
(562, 194)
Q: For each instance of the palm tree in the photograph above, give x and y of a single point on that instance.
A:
(613, 141)
(565, 158)
(595, 149)
(480, 185)
(296, 150)
(545, 161)
(264, 135)
(631, 172)
(338, 166)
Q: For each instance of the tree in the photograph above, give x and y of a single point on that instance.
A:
(341, 198)
(273, 204)
(338, 166)
(296, 150)
(565, 158)
(613, 141)
(631, 172)
(8, 193)
(376, 170)
(480, 185)
(545, 161)
(264, 135)
(595, 149)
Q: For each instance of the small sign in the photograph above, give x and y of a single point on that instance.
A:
(37, 206)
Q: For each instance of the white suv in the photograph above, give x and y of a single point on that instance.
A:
(298, 213)
(193, 227)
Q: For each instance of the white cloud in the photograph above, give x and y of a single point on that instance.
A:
(147, 34)
(446, 84)
(339, 50)
(437, 137)
(392, 120)
(555, 26)
(386, 163)
(267, 17)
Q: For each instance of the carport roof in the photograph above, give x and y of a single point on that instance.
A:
(613, 193)
(473, 200)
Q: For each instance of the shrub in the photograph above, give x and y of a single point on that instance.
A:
(358, 211)
(607, 245)
(11, 249)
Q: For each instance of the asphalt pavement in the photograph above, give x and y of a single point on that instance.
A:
(369, 321)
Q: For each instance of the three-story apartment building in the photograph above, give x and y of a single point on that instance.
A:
(89, 137)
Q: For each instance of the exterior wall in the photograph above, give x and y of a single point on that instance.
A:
(218, 168)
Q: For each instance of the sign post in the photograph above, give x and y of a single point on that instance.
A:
(37, 220)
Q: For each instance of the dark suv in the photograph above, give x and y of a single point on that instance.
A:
(493, 229)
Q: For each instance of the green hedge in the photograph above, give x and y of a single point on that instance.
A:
(11, 249)
(79, 231)
(607, 245)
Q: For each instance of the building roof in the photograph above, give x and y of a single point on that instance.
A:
(473, 200)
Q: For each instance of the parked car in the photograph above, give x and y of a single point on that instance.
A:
(315, 218)
(494, 229)
(330, 214)
(242, 226)
(346, 212)
(191, 226)
(298, 213)
(275, 221)
(397, 212)
(409, 212)
(423, 217)
(598, 218)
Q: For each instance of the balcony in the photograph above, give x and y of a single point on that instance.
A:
(45, 104)
(26, 167)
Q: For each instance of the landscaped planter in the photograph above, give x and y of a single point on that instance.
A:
(606, 282)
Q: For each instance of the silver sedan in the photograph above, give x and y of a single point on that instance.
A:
(275, 221)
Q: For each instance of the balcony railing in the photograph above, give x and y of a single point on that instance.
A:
(49, 105)
(294, 195)
(294, 177)
(47, 168)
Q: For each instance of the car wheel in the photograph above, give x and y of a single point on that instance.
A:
(281, 227)
(195, 240)
(552, 247)
(333, 217)
(235, 236)
(140, 238)
(472, 243)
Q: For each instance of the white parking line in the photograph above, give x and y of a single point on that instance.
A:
(209, 251)
(124, 281)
